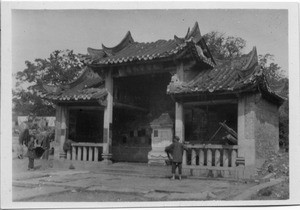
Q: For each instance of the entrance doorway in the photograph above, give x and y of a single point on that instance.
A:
(138, 101)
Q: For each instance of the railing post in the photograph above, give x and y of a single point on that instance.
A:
(209, 157)
(96, 154)
(225, 157)
(90, 153)
(201, 157)
(69, 155)
(233, 157)
(74, 153)
(79, 153)
(217, 157)
(84, 154)
(184, 158)
(193, 160)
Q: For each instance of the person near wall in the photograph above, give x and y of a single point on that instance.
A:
(23, 140)
(31, 153)
(46, 146)
(176, 151)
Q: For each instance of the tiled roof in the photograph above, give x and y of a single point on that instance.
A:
(88, 86)
(228, 76)
(130, 51)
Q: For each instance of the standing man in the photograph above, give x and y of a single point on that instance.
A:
(46, 146)
(31, 153)
(23, 139)
(176, 151)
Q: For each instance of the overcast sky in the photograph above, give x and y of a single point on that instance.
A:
(37, 33)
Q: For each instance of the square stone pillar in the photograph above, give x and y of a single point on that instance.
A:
(179, 121)
(246, 135)
(57, 132)
(63, 132)
(60, 131)
(108, 118)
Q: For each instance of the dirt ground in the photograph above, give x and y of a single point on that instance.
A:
(277, 192)
(87, 196)
(277, 166)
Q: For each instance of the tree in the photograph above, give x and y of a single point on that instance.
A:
(223, 47)
(60, 68)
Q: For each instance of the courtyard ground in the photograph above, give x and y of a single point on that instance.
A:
(56, 181)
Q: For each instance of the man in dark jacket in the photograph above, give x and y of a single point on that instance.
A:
(23, 140)
(176, 151)
(31, 153)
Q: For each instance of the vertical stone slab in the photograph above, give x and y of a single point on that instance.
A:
(108, 116)
(246, 129)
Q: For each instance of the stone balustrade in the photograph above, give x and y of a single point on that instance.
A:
(85, 151)
(208, 156)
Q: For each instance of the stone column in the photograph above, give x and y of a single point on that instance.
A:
(179, 121)
(108, 116)
(57, 132)
(63, 132)
(246, 138)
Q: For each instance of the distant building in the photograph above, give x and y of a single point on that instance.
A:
(132, 98)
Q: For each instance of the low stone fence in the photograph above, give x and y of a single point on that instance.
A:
(85, 152)
(210, 160)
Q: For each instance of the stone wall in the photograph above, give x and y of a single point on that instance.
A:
(258, 131)
(266, 129)
(130, 153)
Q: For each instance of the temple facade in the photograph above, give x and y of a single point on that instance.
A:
(132, 99)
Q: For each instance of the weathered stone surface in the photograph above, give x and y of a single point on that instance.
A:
(266, 129)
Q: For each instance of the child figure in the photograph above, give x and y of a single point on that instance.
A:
(176, 151)
(31, 153)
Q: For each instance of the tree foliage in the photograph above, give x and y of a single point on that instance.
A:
(60, 68)
(224, 47)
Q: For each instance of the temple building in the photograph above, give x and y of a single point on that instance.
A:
(132, 99)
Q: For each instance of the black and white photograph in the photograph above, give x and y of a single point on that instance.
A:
(149, 104)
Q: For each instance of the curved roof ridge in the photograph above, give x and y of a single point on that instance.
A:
(124, 43)
(87, 72)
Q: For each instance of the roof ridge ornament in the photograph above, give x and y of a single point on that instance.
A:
(194, 34)
(253, 59)
(124, 43)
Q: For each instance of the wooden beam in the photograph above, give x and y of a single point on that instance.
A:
(211, 102)
(129, 106)
(86, 107)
